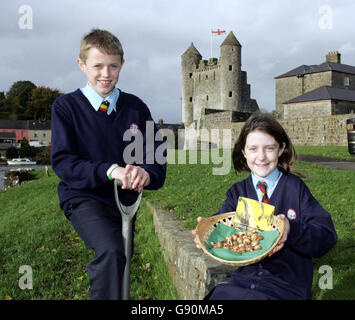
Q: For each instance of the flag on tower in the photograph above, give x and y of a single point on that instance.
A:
(218, 32)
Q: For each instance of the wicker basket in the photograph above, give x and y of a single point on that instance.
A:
(206, 227)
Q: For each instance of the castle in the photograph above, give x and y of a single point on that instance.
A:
(313, 102)
(212, 86)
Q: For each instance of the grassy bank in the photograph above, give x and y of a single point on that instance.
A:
(34, 232)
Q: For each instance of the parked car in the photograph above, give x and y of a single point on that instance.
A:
(20, 161)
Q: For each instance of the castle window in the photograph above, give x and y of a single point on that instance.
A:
(214, 75)
(190, 75)
(206, 76)
(346, 81)
(207, 97)
(230, 67)
(190, 99)
(230, 93)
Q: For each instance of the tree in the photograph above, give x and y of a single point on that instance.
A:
(17, 98)
(40, 103)
(11, 153)
(3, 104)
(26, 150)
(22, 90)
(43, 155)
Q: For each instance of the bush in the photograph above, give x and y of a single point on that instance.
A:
(11, 153)
(26, 151)
(43, 155)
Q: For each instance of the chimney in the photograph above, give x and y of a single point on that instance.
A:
(333, 56)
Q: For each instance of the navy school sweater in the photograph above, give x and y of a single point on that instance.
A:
(85, 143)
(312, 234)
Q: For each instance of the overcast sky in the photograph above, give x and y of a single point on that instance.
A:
(276, 36)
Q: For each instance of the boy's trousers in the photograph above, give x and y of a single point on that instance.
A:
(100, 227)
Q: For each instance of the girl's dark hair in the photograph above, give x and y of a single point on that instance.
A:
(265, 123)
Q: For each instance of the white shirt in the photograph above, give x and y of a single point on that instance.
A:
(95, 99)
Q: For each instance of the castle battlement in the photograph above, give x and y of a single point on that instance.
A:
(206, 67)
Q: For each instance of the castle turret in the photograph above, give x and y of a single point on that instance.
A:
(190, 59)
(230, 62)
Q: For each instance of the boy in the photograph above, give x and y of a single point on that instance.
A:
(88, 144)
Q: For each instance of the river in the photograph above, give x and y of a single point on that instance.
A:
(5, 168)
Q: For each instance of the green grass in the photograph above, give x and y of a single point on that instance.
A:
(336, 152)
(149, 274)
(34, 232)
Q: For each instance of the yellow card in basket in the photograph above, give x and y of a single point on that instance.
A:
(254, 213)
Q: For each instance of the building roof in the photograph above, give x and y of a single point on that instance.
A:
(13, 124)
(25, 124)
(230, 40)
(39, 125)
(325, 93)
(325, 66)
(191, 50)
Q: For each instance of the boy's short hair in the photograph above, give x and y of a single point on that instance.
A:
(265, 123)
(102, 40)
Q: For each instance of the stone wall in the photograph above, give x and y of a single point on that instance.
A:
(338, 80)
(206, 90)
(328, 130)
(318, 131)
(320, 108)
(194, 274)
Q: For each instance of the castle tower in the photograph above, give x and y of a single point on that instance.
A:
(190, 59)
(230, 62)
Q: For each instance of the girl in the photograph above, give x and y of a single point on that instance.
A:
(264, 149)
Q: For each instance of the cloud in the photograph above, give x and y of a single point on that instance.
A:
(276, 36)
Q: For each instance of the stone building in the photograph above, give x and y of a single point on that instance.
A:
(316, 90)
(215, 85)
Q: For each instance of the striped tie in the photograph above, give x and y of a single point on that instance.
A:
(263, 187)
(104, 106)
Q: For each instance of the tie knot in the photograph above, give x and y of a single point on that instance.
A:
(262, 185)
(104, 106)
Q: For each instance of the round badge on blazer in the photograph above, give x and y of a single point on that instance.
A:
(133, 128)
(291, 214)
